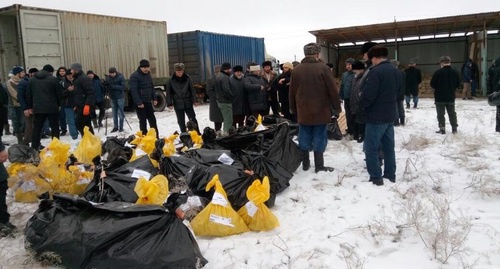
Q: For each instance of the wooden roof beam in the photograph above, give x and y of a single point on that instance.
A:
(471, 26)
(452, 28)
(380, 34)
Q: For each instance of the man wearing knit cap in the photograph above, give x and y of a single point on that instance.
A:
(345, 93)
(445, 82)
(84, 98)
(313, 93)
(43, 102)
(144, 96)
(378, 99)
(181, 96)
(225, 96)
(17, 115)
(237, 82)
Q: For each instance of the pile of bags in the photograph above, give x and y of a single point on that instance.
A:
(143, 188)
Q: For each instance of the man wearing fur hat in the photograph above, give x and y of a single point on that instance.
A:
(240, 99)
(17, 115)
(445, 82)
(144, 96)
(313, 92)
(181, 96)
(345, 93)
(255, 89)
(43, 102)
(283, 86)
(225, 96)
(378, 99)
(272, 95)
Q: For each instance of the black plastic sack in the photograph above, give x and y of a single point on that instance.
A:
(283, 150)
(261, 166)
(209, 157)
(235, 182)
(494, 99)
(23, 154)
(119, 183)
(112, 235)
(334, 132)
(117, 154)
(253, 141)
(176, 166)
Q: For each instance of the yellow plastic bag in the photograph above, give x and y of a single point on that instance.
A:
(145, 146)
(259, 127)
(89, 147)
(26, 183)
(137, 139)
(196, 138)
(78, 179)
(169, 148)
(255, 213)
(218, 218)
(56, 153)
(152, 192)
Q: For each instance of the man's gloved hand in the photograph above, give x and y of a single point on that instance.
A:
(86, 110)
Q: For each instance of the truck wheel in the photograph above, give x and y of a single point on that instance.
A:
(162, 100)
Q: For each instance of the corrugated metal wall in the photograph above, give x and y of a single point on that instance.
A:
(200, 51)
(99, 42)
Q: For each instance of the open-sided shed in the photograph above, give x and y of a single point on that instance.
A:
(472, 36)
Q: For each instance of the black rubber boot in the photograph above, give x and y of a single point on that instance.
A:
(454, 130)
(306, 162)
(441, 131)
(402, 121)
(319, 163)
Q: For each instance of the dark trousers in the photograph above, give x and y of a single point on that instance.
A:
(147, 113)
(258, 112)
(285, 109)
(238, 121)
(358, 129)
(81, 121)
(274, 106)
(62, 120)
(452, 115)
(348, 116)
(181, 117)
(4, 213)
(102, 111)
(401, 110)
(217, 126)
(497, 127)
(38, 126)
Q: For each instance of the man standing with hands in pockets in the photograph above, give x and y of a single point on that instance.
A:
(144, 96)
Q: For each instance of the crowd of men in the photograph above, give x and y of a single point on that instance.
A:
(373, 90)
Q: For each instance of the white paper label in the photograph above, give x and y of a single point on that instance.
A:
(225, 159)
(139, 152)
(81, 167)
(141, 173)
(194, 201)
(221, 220)
(260, 127)
(251, 208)
(83, 181)
(219, 199)
(28, 186)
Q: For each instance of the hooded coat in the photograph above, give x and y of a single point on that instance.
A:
(44, 93)
(313, 92)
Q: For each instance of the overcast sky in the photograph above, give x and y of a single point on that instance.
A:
(285, 25)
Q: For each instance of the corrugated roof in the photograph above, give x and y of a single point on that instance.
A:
(416, 28)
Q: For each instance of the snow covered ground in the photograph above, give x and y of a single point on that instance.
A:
(442, 212)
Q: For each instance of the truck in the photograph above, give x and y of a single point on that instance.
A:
(32, 37)
(200, 51)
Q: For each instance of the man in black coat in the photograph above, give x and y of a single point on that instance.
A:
(44, 100)
(84, 97)
(240, 99)
(401, 96)
(214, 114)
(445, 82)
(6, 228)
(225, 96)
(413, 80)
(378, 100)
(182, 96)
(144, 96)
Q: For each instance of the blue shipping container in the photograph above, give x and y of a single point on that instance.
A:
(200, 51)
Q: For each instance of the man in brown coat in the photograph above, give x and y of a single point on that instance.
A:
(313, 93)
